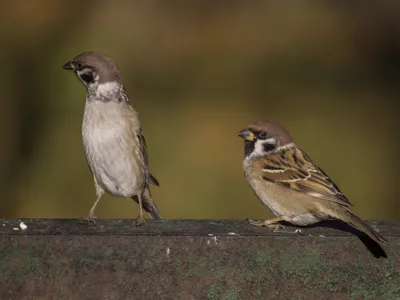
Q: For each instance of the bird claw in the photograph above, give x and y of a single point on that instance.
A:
(276, 226)
(140, 220)
(90, 219)
(265, 224)
(255, 223)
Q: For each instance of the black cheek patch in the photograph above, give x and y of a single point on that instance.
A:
(87, 77)
(269, 147)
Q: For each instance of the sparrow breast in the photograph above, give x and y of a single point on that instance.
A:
(111, 148)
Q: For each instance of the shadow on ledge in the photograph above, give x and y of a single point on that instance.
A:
(374, 247)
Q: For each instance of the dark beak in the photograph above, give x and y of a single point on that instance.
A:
(69, 66)
(246, 135)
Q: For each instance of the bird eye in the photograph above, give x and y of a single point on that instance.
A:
(78, 66)
(263, 134)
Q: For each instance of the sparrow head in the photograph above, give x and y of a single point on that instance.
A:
(93, 69)
(264, 137)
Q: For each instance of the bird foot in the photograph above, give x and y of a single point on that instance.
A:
(265, 224)
(90, 219)
(140, 220)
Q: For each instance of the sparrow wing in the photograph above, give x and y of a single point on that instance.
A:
(294, 169)
(143, 150)
(139, 135)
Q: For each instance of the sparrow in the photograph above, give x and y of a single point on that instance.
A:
(290, 184)
(113, 139)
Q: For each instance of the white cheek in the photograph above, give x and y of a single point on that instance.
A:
(258, 148)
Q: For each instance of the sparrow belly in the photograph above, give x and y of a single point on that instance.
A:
(284, 202)
(111, 155)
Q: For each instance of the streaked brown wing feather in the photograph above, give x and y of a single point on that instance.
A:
(142, 144)
(294, 169)
(140, 138)
(143, 148)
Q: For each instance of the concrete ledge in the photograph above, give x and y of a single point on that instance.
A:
(194, 259)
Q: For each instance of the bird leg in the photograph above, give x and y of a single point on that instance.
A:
(140, 218)
(91, 212)
(99, 192)
(271, 222)
(91, 217)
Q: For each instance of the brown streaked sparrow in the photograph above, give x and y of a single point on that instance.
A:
(290, 184)
(113, 138)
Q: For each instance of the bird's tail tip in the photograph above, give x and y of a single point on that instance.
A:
(364, 227)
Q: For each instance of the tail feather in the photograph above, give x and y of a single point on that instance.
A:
(153, 180)
(149, 205)
(364, 227)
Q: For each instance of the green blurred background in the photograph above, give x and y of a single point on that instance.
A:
(198, 72)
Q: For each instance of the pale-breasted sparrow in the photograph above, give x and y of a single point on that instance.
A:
(113, 139)
(290, 184)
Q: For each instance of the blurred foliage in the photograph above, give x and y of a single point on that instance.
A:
(198, 72)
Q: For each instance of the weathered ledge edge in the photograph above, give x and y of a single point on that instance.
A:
(187, 227)
(194, 260)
